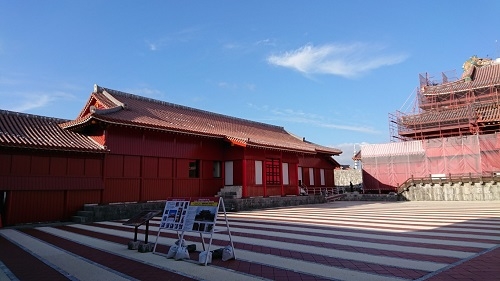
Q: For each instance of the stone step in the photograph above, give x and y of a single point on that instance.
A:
(83, 217)
(88, 214)
(80, 219)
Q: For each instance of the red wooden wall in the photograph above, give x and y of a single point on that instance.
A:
(141, 165)
(294, 160)
(316, 162)
(47, 186)
(147, 165)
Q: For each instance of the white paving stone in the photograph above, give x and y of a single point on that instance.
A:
(377, 259)
(215, 273)
(182, 267)
(428, 223)
(74, 266)
(365, 235)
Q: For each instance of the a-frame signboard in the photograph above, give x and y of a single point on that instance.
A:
(194, 214)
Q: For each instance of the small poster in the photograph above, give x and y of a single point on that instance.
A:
(190, 214)
(193, 215)
(202, 215)
(174, 214)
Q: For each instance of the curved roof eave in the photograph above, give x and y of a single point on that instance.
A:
(243, 143)
(63, 149)
(333, 151)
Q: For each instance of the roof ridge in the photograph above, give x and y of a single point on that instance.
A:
(9, 112)
(134, 96)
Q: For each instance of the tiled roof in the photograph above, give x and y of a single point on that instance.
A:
(484, 76)
(392, 149)
(357, 156)
(122, 108)
(489, 112)
(32, 131)
(437, 116)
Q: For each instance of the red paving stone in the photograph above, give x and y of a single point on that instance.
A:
(400, 272)
(484, 267)
(126, 266)
(17, 260)
(331, 261)
(236, 265)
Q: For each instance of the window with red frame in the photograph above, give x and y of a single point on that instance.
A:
(273, 172)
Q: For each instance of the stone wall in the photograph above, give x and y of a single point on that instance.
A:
(119, 211)
(245, 204)
(356, 196)
(343, 177)
(461, 191)
(231, 191)
(92, 213)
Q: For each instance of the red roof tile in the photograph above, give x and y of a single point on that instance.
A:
(132, 110)
(455, 115)
(489, 112)
(392, 149)
(39, 132)
(357, 156)
(484, 76)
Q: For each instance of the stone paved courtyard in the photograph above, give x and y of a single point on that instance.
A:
(343, 240)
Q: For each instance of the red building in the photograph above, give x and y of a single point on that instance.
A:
(127, 148)
(454, 132)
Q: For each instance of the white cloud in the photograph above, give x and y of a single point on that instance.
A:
(30, 101)
(311, 119)
(157, 44)
(226, 85)
(249, 46)
(348, 150)
(315, 120)
(348, 60)
(236, 86)
(231, 46)
(152, 47)
(181, 36)
(250, 86)
(146, 92)
(266, 42)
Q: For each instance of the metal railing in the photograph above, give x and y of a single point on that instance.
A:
(448, 178)
(326, 191)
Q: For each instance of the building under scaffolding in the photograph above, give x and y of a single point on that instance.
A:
(453, 131)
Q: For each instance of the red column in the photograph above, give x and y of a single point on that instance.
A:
(297, 177)
(282, 192)
(244, 179)
(264, 178)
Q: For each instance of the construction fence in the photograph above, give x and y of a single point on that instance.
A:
(386, 166)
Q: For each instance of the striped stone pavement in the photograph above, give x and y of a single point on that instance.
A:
(334, 241)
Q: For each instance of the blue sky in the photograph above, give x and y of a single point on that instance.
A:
(329, 71)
